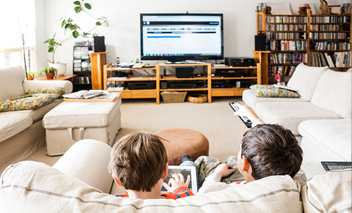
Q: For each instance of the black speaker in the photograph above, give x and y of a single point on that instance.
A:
(259, 42)
(99, 44)
(184, 72)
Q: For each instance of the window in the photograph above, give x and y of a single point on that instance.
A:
(17, 39)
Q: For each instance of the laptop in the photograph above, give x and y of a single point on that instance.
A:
(185, 171)
(336, 165)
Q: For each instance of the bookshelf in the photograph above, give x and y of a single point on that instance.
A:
(316, 40)
(204, 81)
(81, 68)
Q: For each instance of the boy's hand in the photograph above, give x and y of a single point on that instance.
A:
(244, 110)
(176, 182)
(224, 170)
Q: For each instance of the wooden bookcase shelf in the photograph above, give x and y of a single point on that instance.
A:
(314, 30)
(206, 78)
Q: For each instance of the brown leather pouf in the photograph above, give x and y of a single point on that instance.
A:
(183, 142)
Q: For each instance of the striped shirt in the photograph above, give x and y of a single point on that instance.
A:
(176, 194)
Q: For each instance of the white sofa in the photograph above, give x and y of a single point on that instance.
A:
(21, 132)
(321, 117)
(80, 182)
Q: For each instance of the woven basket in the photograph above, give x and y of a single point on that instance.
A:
(197, 98)
(173, 97)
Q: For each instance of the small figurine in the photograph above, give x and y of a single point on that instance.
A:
(268, 10)
(302, 11)
(324, 8)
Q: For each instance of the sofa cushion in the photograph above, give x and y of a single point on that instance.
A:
(28, 183)
(290, 114)
(328, 192)
(332, 134)
(305, 79)
(27, 102)
(12, 123)
(251, 99)
(333, 92)
(11, 81)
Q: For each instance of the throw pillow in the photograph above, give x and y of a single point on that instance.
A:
(27, 102)
(47, 90)
(270, 91)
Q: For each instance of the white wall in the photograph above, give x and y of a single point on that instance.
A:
(122, 38)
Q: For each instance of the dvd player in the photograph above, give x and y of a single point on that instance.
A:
(182, 85)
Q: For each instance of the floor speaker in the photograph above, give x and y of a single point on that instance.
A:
(260, 42)
(99, 44)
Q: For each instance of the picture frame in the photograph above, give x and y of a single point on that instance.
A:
(335, 9)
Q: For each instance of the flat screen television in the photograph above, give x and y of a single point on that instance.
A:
(178, 37)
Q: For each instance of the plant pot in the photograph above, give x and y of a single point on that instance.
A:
(50, 75)
(30, 78)
(61, 68)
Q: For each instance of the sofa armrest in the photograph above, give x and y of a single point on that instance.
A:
(88, 160)
(47, 83)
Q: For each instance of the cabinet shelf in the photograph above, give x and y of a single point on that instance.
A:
(186, 89)
(135, 78)
(205, 79)
(173, 78)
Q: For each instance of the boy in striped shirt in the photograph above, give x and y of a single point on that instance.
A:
(139, 163)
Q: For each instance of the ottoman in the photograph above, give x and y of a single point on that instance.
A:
(66, 123)
(182, 142)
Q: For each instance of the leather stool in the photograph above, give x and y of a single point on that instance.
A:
(183, 142)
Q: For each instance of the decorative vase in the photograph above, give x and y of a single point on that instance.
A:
(50, 75)
(60, 67)
(30, 78)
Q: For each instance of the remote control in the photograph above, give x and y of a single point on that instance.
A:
(244, 119)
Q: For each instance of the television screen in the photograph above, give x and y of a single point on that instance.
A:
(178, 37)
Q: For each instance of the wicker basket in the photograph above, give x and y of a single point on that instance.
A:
(197, 98)
(173, 97)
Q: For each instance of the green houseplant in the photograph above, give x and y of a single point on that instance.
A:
(50, 72)
(31, 75)
(68, 24)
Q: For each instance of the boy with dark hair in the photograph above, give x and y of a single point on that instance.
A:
(266, 150)
(139, 164)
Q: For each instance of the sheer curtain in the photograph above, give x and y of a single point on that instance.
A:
(17, 37)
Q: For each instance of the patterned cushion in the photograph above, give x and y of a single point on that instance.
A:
(27, 102)
(47, 90)
(272, 91)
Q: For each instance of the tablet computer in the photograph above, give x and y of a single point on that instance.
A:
(185, 171)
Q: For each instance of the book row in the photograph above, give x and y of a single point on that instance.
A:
(288, 45)
(330, 19)
(285, 35)
(286, 70)
(81, 80)
(324, 45)
(288, 58)
(328, 36)
(286, 27)
(338, 59)
(325, 27)
(286, 19)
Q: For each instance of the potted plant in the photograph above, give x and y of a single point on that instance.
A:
(31, 75)
(69, 24)
(50, 72)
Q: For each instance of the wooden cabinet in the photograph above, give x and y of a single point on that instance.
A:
(208, 75)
